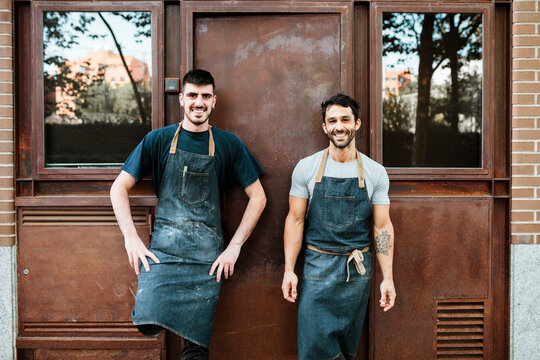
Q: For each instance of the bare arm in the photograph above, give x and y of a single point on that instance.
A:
(120, 201)
(257, 201)
(292, 242)
(384, 249)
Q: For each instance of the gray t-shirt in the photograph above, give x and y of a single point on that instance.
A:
(305, 172)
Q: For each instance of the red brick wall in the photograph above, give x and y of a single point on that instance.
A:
(525, 204)
(7, 212)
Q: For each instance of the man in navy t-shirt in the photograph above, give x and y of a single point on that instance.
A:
(191, 164)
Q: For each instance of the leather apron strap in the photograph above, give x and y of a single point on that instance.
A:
(356, 256)
(211, 145)
(361, 183)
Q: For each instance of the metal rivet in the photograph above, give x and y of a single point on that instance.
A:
(25, 271)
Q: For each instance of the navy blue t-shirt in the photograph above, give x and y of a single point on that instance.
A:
(234, 163)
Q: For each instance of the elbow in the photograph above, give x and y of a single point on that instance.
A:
(113, 190)
(116, 190)
(262, 200)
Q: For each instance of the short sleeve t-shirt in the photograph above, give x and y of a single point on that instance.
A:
(235, 164)
(305, 173)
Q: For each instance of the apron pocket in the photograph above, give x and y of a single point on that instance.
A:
(193, 187)
(339, 210)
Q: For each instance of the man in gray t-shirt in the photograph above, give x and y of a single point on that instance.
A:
(338, 198)
(303, 177)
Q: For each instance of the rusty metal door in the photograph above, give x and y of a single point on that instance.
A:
(272, 71)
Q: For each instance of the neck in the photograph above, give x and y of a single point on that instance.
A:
(343, 155)
(189, 126)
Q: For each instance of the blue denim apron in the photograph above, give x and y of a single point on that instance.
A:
(333, 294)
(178, 294)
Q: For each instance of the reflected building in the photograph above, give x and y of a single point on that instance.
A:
(115, 72)
(105, 65)
(395, 81)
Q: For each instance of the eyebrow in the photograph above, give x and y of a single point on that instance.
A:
(203, 94)
(342, 117)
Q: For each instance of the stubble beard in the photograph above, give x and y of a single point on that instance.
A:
(198, 121)
(350, 137)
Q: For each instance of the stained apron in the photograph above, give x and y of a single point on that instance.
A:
(177, 293)
(333, 294)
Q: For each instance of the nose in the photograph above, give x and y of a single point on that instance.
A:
(199, 101)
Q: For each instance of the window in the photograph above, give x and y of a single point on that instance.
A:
(434, 117)
(101, 83)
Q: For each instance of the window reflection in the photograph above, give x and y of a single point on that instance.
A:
(97, 86)
(432, 90)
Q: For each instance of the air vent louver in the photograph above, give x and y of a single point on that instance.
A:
(77, 217)
(460, 330)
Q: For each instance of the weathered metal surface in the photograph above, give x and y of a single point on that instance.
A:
(79, 272)
(442, 251)
(411, 188)
(272, 72)
(48, 354)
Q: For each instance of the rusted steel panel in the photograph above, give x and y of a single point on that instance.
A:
(272, 72)
(406, 188)
(91, 187)
(74, 273)
(501, 277)
(23, 104)
(502, 113)
(442, 251)
(50, 354)
(362, 72)
(173, 49)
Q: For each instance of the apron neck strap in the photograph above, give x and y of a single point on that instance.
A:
(211, 145)
(361, 183)
(322, 166)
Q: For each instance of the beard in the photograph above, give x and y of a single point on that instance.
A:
(343, 144)
(198, 120)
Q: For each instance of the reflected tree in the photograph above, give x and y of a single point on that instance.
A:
(462, 36)
(65, 31)
(141, 21)
(439, 40)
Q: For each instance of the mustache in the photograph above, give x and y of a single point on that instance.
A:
(338, 132)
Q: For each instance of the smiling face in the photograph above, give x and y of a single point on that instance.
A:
(340, 126)
(198, 102)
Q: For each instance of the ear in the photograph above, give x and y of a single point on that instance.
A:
(214, 102)
(181, 99)
(324, 128)
(358, 123)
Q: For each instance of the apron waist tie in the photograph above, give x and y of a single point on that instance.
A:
(355, 255)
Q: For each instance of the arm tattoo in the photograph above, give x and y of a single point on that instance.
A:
(382, 243)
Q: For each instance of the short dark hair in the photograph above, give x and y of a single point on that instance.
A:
(341, 100)
(198, 77)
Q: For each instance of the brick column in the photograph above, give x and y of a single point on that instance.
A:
(7, 212)
(525, 205)
(526, 124)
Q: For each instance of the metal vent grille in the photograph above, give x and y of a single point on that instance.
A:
(77, 217)
(460, 330)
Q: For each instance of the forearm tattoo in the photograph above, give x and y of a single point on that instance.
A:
(382, 243)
